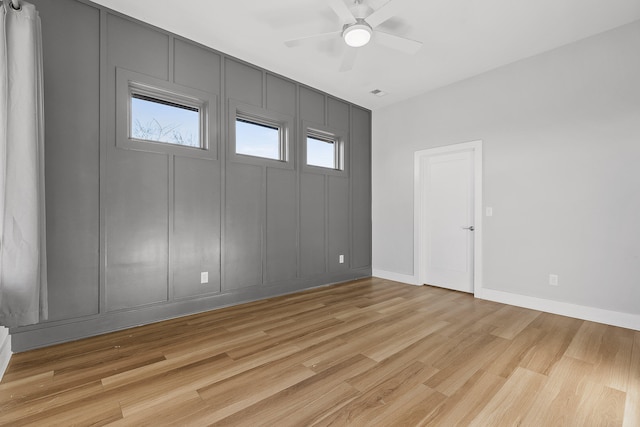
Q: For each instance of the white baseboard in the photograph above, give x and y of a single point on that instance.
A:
(5, 350)
(608, 317)
(396, 277)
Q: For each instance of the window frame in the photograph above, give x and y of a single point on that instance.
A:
(129, 83)
(326, 133)
(263, 117)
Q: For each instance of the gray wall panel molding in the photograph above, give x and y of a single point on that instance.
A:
(244, 225)
(281, 95)
(338, 114)
(360, 187)
(133, 225)
(72, 76)
(281, 219)
(137, 47)
(196, 67)
(312, 105)
(243, 82)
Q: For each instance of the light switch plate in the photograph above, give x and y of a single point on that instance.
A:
(204, 277)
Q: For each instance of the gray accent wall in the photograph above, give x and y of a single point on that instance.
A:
(130, 229)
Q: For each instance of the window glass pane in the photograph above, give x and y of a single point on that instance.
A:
(321, 153)
(256, 139)
(162, 121)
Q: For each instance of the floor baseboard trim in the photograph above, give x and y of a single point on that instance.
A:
(396, 277)
(5, 350)
(598, 315)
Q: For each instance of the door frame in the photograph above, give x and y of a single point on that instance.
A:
(418, 217)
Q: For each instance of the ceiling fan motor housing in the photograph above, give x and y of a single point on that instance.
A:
(358, 34)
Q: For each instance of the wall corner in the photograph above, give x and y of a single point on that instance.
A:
(5, 350)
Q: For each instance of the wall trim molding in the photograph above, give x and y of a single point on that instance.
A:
(5, 350)
(592, 314)
(396, 277)
(598, 315)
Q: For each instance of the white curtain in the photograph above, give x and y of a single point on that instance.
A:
(23, 268)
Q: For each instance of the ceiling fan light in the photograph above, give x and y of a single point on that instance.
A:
(357, 35)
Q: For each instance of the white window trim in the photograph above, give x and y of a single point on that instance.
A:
(259, 115)
(340, 149)
(129, 82)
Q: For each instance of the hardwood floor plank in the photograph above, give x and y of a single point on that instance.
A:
(559, 400)
(167, 413)
(278, 407)
(556, 335)
(323, 406)
(368, 352)
(515, 352)
(341, 329)
(455, 371)
(30, 405)
(600, 406)
(510, 321)
(608, 349)
(402, 340)
(377, 400)
(412, 410)
(63, 410)
(227, 397)
(465, 404)
(389, 366)
(512, 401)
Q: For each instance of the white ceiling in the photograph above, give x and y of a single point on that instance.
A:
(462, 38)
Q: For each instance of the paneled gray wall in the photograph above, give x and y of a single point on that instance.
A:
(130, 230)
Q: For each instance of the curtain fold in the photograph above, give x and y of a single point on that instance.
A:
(23, 269)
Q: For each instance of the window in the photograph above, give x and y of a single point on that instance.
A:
(321, 151)
(159, 116)
(259, 138)
(159, 120)
(324, 149)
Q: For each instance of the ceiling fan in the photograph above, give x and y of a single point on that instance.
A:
(359, 27)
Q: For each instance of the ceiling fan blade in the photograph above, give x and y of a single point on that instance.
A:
(349, 59)
(301, 40)
(396, 42)
(379, 16)
(343, 12)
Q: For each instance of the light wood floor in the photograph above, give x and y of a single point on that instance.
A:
(369, 352)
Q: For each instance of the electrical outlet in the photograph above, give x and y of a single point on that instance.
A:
(553, 280)
(204, 277)
(341, 259)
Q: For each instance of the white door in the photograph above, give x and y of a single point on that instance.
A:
(447, 226)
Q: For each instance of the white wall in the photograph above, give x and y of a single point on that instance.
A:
(561, 135)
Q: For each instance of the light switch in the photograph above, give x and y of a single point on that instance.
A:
(204, 277)
(489, 211)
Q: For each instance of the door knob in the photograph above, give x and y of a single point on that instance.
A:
(470, 228)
